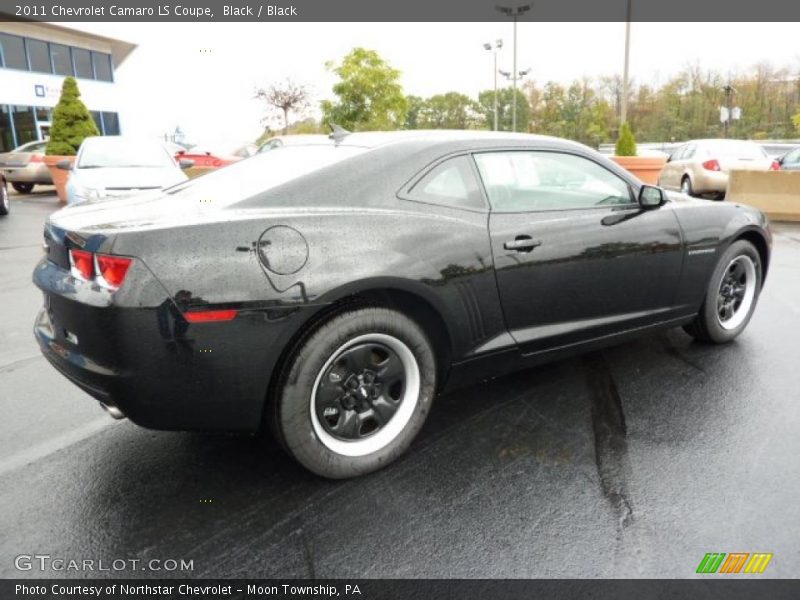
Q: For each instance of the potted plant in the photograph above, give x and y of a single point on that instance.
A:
(646, 168)
(72, 123)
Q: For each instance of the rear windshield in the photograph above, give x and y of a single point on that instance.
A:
(260, 173)
(736, 149)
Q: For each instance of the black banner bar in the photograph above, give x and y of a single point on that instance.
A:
(711, 587)
(274, 11)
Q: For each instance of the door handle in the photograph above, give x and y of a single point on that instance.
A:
(522, 243)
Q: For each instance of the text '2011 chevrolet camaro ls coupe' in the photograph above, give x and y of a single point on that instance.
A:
(330, 291)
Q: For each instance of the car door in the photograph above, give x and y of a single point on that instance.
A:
(575, 256)
(669, 174)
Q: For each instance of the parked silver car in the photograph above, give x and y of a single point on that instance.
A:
(24, 167)
(109, 167)
(791, 160)
(701, 167)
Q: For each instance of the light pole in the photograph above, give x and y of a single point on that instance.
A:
(497, 46)
(623, 113)
(514, 12)
(729, 91)
(509, 77)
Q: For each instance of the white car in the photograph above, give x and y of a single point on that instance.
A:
(109, 167)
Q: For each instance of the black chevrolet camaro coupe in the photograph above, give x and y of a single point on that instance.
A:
(330, 291)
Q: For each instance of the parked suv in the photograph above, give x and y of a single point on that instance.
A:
(701, 167)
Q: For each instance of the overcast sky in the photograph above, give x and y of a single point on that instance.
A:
(201, 76)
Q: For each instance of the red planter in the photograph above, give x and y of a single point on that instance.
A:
(646, 168)
(60, 176)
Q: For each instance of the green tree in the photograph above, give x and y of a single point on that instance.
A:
(72, 122)
(626, 144)
(796, 121)
(450, 111)
(415, 106)
(369, 94)
(505, 99)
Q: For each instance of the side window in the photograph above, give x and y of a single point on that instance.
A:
(524, 181)
(451, 183)
(792, 158)
(689, 152)
(677, 154)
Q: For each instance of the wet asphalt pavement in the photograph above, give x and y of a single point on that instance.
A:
(630, 462)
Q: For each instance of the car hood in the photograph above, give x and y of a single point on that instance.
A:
(127, 179)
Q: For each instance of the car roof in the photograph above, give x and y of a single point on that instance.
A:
(721, 140)
(458, 139)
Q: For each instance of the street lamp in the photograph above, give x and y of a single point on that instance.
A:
(729, 91)
(494, 48)
(623, 116)
(509, 77)
(514, 12)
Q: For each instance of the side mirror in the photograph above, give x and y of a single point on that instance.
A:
(64, 165)
(185, 163)
(651, 196)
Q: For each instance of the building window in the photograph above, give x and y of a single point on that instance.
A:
(24, 124)
(6, 133)
(38, 56)
(83, 63)
(62, 61)
(102, 66)
(110, 123)
(13, 51)
(98, 120)
(43, 114)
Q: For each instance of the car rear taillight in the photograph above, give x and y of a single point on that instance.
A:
(82, 263)
(711, 165)
(207, 316)
(36, 158)
(775, 166)
(108, 271)
(111, 270)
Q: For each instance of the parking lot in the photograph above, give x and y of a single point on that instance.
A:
(634, 461)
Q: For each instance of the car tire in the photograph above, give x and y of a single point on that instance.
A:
(731, 295)
(5, 202)
(686, 186)
(355, 392)
(23, 188)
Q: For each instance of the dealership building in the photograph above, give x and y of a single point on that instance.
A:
(35, 58)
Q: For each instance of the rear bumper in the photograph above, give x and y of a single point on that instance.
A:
(135, 352)
(710, 181)
(94, 379)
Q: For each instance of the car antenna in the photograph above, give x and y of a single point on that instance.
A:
(338, 133)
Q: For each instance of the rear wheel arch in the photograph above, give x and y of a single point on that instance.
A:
(413, 305)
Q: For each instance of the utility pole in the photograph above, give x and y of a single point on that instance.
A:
(514, 12)
(497, 46)
(623, 117)
(728, 89)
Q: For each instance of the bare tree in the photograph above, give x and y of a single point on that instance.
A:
(286, 96)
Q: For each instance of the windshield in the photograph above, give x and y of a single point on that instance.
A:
(113, 152)
(251, 176)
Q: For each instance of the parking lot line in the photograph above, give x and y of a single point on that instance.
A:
(55, 444)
